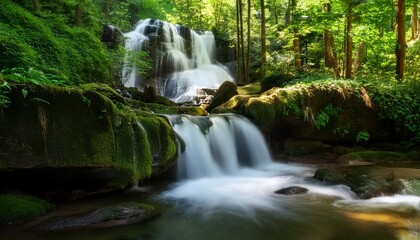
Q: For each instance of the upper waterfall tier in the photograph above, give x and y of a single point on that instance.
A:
(183, 60)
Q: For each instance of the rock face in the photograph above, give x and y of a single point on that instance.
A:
(330, 114)
(78, 139)
(112, 36)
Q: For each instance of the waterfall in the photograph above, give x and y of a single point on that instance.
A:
(218, 145)
(183, 60)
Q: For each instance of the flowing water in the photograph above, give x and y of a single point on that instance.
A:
(183, 60)
(225, 190)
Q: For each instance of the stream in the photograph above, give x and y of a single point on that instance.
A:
(225, 189)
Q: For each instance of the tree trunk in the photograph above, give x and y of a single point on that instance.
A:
(238, 42)
(35, 6)
(263, 40)
(401, 44)
(327, 46)
(106, 10)
(79, 13)
(241, 22)
(296, 50)
(287, 13)
(348, 45)
(414, 22)
(333, 55)
(358, 58)
(248, 39)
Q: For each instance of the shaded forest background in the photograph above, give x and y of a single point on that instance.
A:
(342, 37)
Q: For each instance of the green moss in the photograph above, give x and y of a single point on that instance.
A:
(161, 138)
(373, 156)
(162, 109)
(249, 89)
(260, 111)
(105, 90)
(15, 206)
(412, 186)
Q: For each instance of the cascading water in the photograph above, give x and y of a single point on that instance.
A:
(218, 144)
(183, 60)
(225, 164)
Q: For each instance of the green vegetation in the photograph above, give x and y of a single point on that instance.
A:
(15, 206)
(48, 43)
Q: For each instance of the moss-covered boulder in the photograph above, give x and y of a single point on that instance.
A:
(369, 181)
(332, 113)
(226, 91)
(68, 138)
(16, 206)
(375, 157)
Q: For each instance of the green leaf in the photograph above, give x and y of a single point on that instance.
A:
(24, 93)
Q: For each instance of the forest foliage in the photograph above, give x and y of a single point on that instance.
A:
(58, 41)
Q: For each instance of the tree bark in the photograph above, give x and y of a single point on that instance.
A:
(348, 45)
(401, 44)
(335, 59)
(248, 39)
(263, 40)
(414, 22)
(296, 50)
(327, 45)
(79, 13)
(238, 43)
(106, 10)
(36, 6)
(241, 22)
(358, 58)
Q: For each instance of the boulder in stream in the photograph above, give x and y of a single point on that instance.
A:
(109, 216)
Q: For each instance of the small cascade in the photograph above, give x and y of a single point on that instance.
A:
(218, 145)
(183, 60)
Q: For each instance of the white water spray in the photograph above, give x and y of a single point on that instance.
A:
(180, 70)
(225, 163)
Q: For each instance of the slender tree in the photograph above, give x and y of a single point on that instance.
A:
(106, 9)
(239, 41)
(79, 13)
(414, 21)
(296, 45)
(248, 39)
(401, 44)
(36, 6)
(348, 43)
(330, 54)
(263, 40)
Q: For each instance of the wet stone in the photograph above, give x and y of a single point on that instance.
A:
(293, 190)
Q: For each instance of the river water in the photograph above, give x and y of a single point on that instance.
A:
(225, 189)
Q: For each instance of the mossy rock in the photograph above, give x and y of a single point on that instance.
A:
(162, 141)
(275, 80)
(226, 91)
(412, 186)
(330, 175)
(192, 110)
(366, 181)
(58, 128)
(373, 157)
(108, 216)
(317, 112)
(105, 90)
(15, 206)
